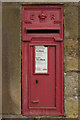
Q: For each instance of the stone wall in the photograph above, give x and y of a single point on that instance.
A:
(12, 58)
(71, 59)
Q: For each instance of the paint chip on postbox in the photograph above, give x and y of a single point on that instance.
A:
(41, 59)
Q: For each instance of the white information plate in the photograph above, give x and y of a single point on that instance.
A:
(41, 59)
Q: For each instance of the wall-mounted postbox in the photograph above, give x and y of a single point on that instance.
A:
(42, 60)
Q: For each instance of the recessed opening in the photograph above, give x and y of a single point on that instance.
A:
(42, 31)
(36, 82)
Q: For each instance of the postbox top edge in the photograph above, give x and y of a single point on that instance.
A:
(42, 6)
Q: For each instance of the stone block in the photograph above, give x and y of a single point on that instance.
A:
(70, 21)
(71, 47)
(70, 84)
(11, 72)
(71, 107)
(71, 63)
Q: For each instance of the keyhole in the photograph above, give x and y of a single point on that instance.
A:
(36, 82)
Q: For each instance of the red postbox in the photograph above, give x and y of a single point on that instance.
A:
(42, 60)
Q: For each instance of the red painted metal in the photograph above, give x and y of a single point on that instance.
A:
(45, 97)
(42, 17)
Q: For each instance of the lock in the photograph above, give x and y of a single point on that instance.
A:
(36, 82)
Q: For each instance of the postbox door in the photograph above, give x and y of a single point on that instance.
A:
(42, 77)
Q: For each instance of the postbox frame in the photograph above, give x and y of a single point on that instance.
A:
(26, 69)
